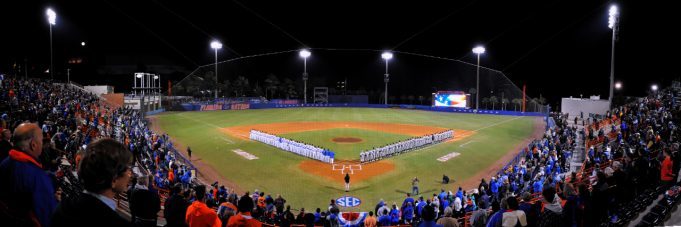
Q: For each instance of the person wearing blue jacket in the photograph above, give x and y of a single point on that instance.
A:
(27, 190)
(408, 213)
(385, 219)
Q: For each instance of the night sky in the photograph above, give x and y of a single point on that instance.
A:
(557, 48)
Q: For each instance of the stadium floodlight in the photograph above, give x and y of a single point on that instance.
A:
(478, 51)
(618, 85)
(387, 55)
(613, 14)
(613, 21)
(304, 54)
(51, 16)
(82, 44)
(654, 87)
(52, 19)
(216, 45)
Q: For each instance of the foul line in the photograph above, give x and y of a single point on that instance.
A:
(495, 124)
(209, 124)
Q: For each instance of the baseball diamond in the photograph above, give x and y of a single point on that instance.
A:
(308, 182)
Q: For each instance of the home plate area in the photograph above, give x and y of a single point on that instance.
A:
(350, 168)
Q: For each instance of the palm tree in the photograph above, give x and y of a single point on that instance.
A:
(472, 91)
(493, 100)
(271, 84)
(485, 101)
(504, 101)
(289, 88)
(535, 101)
(225, 87)
(411, 99)
(517, 103)
(240, 86)
(421, 98)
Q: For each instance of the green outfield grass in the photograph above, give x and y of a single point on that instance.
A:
(277, 172)
(323, 138)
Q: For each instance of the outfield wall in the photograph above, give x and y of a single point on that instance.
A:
(245, 106)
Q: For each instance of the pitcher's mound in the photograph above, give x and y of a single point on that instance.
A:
(346, 140)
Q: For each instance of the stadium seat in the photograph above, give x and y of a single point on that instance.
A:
(653, 219)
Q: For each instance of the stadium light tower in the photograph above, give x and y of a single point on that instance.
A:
(477, 50)
(654, 87)
(304, 54)
(52, 19)
(216, 45)
(386, 56)
(618, 85)
(613, 23)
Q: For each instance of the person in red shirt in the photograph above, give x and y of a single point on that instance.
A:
(666, 174)
(171, 175)
(244, 218)
(198, 214)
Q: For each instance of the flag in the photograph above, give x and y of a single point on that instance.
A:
(352, 219)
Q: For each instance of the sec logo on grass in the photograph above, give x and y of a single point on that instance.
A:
(348, 201)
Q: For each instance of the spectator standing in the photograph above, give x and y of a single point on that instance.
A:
(513, 215)
(429, 217)
(104, 171)
(479, 217)
(370, 221)
(244, 218)
(175, 208)
(448, 220)
(145, 204)
(667, 176)
(26, 191)
(5, 144)
(552, 214)
(384, 219)
(198, 214)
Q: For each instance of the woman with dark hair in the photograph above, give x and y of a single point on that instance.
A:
(104, 171)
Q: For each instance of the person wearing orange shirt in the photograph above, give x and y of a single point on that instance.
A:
(171, 175)
(198, 214)
(370, 221)
(244, 218)
(666, 173)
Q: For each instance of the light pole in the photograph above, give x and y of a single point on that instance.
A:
(158, 95)
(477, 50)
(216, 45)
(618, 85)
(52, 19)
(387, 56)
(135, 88)
(654, 88)
(613, 23)
(304, 54)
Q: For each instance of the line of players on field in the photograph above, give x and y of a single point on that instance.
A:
(404, 146)
(295, 147)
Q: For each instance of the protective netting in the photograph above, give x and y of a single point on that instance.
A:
(413, 79)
